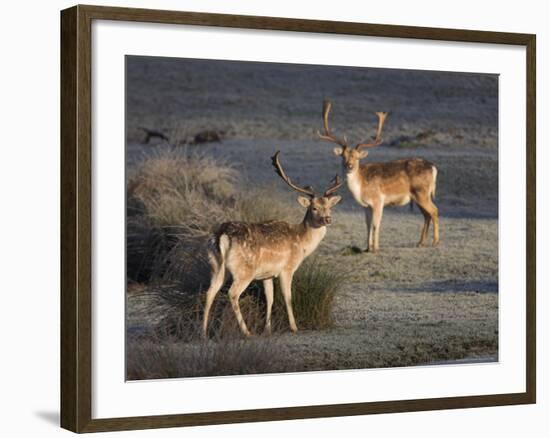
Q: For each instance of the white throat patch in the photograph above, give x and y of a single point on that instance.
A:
(354, 185)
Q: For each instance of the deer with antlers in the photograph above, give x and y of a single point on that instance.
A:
(376, 185)
(263, 251)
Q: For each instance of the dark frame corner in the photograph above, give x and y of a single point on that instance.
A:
(76, 172)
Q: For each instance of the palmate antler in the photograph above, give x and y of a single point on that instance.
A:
(279, 169)
(335, 183)
(378, 139)
(329, 136)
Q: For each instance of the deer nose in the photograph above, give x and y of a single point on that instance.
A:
(327, 220)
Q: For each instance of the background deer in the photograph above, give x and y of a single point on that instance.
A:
(263, 251)
(375, 185)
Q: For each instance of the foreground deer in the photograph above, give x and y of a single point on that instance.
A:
(263, 251)
(375, 185)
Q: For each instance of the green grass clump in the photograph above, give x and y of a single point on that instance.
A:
(314, 288)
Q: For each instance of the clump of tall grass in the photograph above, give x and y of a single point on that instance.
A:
(183, 194)
(314, 288)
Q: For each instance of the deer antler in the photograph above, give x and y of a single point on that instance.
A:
(327, 104)
(336, 184)
(378, 139)
(279, 169)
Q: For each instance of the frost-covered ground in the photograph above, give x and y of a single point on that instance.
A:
(403, 306)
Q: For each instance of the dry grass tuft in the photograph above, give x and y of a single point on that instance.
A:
(183, 194)
(147, 359)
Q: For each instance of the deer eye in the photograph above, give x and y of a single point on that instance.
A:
(315, 209)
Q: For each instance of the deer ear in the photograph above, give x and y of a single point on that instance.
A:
(338, 151)
(363, 154)
(333, 200)
(303, 201)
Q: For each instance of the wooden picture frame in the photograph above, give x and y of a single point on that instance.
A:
(76, 217)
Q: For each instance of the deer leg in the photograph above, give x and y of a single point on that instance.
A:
(435, 219)
(268, 291)
(429, 209)
(425, 228)
(235, 291)
(286, 289)
(216, 283)
(370, 234)
(376, 221)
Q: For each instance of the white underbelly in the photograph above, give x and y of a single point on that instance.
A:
(354, 187)
(267, 272)
(397, 200)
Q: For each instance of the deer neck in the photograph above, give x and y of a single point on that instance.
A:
(311, 236)
(355, 184)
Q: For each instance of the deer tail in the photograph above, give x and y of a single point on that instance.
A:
(218, 245)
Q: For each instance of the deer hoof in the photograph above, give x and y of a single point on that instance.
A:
(435, 243)
(420, 244)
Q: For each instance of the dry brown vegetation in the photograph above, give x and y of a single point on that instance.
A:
(155, 359)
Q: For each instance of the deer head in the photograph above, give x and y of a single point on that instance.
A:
(350, 155)
(318, 212)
